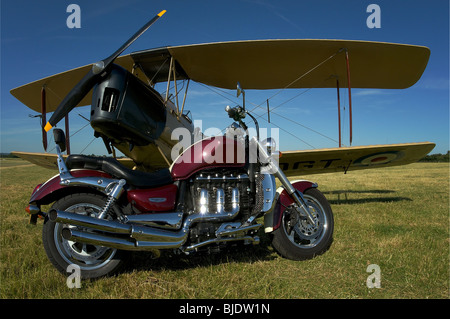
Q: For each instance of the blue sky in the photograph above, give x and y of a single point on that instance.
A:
(36, 42)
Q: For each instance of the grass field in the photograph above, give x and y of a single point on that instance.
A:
(396, 218)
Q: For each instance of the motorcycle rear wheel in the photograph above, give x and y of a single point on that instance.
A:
(93, 261)
(296, 239)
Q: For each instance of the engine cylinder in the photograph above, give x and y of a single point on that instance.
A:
(218, 193)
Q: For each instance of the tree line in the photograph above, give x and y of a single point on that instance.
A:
(436, 158)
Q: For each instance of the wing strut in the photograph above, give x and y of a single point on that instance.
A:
(44, 118)
(339, 111)
(349, 95)
(66, 119)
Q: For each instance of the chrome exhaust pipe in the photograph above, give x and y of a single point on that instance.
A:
(140, 233)
(97, 239)
(116, 242)
(173, 220)
(105, 225)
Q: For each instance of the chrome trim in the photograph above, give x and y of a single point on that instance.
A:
(220, 201)
(223, 178)
(100, 183)
(114, 191)
(157, 199)
(204, 202)
(159, 237)
(302, 208)
(111, 187)
(229, 230)
(158, 220)
(254, 240)
(64, 173)
(269, 191)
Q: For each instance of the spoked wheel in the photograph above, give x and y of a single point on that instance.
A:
(296, 238)
(94, 261)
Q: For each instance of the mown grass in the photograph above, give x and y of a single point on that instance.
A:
(397, 218)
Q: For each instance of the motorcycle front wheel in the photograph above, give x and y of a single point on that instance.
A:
(296, 238)
(93, 261)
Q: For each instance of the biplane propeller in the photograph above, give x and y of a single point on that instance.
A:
(98, 71)
(143, 131)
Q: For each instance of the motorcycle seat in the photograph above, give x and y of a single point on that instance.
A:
(116, 169)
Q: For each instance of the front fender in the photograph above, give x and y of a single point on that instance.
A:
(272, 220)
(52, 189)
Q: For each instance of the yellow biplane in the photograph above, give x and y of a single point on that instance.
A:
(260, 64)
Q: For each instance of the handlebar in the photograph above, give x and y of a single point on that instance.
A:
(237, 113)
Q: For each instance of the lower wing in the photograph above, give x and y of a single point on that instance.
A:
(311, 161)
(48, 160)
(352, 158)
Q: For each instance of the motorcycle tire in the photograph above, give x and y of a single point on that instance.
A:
(93, 261)
(296, 239)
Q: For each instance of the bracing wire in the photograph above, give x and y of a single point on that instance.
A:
(300, 77)
(88, 145)
(222, 93)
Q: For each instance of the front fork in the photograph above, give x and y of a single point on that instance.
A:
(301, 206)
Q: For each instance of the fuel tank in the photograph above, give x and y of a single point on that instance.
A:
(213, 152)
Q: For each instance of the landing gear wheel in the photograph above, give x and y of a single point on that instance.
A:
(296, 238)
(94, 261)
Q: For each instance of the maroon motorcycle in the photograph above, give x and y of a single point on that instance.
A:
(103, 209)
(220, 190)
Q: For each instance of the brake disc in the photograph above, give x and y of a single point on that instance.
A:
(305, 230)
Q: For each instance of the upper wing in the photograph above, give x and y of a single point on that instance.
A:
(302, 63)
(352, 158)
(260, 64)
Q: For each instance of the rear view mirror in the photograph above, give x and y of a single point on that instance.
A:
(60, 138)
(240, 91)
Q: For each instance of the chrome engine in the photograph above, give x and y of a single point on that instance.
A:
(217, 194)
(221, 208)
(214, 193)
(229, 206)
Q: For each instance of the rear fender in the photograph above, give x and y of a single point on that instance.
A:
(272, 220)
(52, 189)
